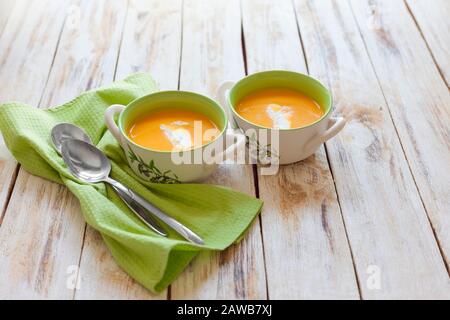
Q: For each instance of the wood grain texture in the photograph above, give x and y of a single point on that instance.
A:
(212, 53)
(102, 278)
(39, 240)
(87, 55)
(368, 156)
(307, 254)
(151, 43)
(50, 239)
(27, 49)
(24, 67)
(6, 7)
(434, 23)
(418, 100)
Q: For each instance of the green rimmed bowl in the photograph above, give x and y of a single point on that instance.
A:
(172, 166)
(289, 145)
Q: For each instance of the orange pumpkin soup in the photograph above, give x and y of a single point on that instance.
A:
(279, 108)
(173, 129)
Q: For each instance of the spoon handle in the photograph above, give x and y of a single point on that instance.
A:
(140, 212)
(174, 224)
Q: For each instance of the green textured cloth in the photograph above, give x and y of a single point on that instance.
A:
(219, 215)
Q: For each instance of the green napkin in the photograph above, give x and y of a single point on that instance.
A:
(219, 215)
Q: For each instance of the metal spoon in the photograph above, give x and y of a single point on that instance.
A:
(65, 131)
(89, 164)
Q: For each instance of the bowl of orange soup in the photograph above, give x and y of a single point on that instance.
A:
(294, 105)
(172, 136)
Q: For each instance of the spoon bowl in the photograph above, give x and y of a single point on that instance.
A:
(65, 131)
(85, 161)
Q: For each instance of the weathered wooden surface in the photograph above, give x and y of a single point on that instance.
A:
(25, 65)
(6, 7)
(373, 202)
(50, 239)
(434, 23)
(418, 100)
(368, 156)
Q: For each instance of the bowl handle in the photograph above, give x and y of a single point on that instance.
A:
(111, 123)
(223, 96)
(335, 125)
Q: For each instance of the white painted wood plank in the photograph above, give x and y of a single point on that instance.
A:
(152, 41)
(24, 67)
(418, 100)
(39, 240)
(433, 20)
(23, 63)
(87, 55)
(37, 249)
(101, 277)
(306, 250)
(6, 7)
(212, 52)
(385, 220)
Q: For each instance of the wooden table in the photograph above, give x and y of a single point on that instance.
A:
(366, 217)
